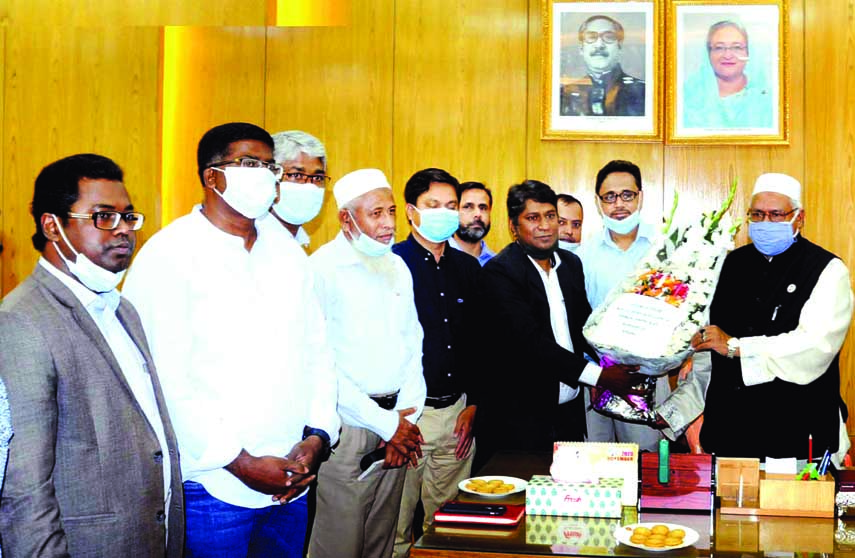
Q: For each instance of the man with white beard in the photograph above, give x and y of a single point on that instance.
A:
(366, 293)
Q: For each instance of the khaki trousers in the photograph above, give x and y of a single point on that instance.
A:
(355, 519)
(437, 475)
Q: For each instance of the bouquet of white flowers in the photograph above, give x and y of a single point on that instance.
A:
(649, 318)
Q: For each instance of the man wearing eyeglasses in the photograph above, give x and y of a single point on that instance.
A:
(93, 467)
(228, 305)
(779, 316)
(605, 90)
(607, 260)
(304, 179)
(724, 95)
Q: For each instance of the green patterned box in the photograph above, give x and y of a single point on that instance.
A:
(544, 496)
(591, 536)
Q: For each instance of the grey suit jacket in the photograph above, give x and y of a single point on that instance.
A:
(85, 473)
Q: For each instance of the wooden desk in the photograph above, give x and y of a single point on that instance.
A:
(720, 536)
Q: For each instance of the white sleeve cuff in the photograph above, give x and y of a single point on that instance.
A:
(752, 362)
(591, 374)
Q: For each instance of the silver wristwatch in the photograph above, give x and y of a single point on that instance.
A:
(732, 347)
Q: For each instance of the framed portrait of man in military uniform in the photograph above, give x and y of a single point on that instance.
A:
(727, 72)
(601, 70)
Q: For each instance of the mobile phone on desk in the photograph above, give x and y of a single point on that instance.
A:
(483, 513)
(472, 508)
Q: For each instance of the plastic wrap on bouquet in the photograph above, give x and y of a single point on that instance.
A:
(650, 317)
(631, 408)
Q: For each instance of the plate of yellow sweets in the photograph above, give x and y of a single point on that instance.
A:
(492, 486)
(656, 537)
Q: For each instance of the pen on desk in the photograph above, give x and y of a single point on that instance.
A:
(775, 312)
(810, 448)
(823, 464)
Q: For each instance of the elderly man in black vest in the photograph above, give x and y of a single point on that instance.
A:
(780, 312)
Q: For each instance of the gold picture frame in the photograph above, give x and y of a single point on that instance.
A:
(735, 91)
(606, 87)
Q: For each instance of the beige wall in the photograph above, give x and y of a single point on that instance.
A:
(405, 85)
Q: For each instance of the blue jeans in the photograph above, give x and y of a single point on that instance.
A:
(215, 529)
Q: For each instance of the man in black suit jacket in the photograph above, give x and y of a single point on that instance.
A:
(535, 307)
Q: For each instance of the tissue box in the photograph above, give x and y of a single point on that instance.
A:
(595, 460)
(544, 496)
(588, 535)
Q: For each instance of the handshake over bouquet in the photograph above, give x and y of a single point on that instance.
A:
(649, 318)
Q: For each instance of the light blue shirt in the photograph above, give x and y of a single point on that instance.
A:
(605, 265)
(486, 253)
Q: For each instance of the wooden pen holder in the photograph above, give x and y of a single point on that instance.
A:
(784, 494)
(745, 490)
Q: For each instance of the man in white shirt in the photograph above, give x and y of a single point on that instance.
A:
(304, 179)
(229, 308)
(93, 468)
(780, 314)
(367, 296)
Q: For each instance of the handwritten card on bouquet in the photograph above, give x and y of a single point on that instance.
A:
(641, 325)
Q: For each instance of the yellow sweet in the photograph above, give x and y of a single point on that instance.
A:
(659, 529)
(492, 486)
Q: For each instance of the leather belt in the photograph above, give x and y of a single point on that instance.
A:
(387, 401)
(442, 401)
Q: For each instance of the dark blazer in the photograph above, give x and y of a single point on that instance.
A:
(85, 474)
(520, 410)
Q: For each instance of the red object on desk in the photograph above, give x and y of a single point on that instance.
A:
(690, 486)
(513, 514)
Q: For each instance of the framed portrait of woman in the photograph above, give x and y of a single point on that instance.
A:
(601, 70)
(727, 72)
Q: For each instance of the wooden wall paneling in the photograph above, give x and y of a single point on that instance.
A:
(829, 186)
(571, 166)
(336, 83)
(211, 75)
(74, 90)
(3, 235)
(460, 96)
(100, 13)
(702, 174)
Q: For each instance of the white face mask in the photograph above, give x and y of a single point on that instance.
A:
(569, 246)
(249, 191)
(622, 226)
(298, 203)
(92, 275)
(366, 244)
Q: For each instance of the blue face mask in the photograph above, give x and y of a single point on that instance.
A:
(770, 238)
(366, 244)
(569, 246)
(438, 224)
(622, 226)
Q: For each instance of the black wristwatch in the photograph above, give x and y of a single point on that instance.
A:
(325, 438)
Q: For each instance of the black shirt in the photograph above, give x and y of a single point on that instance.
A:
(445, 295)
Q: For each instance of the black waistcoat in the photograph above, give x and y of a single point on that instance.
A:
(754, 297)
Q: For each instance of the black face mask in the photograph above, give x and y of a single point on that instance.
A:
(537, 253)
